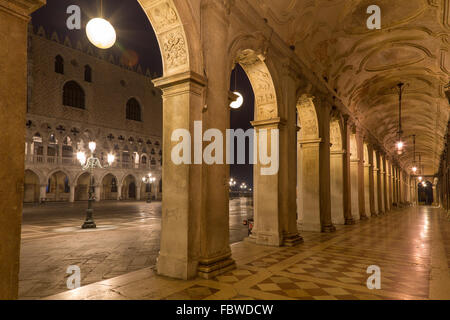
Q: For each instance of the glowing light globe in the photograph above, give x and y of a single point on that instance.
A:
(238, 102)
(101, 33)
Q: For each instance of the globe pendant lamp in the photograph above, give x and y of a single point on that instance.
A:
(100, 32)
(236, 104)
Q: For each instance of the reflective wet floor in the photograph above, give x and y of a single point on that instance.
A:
(410, 247)
(126, 240)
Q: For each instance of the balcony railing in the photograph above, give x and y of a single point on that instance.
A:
(73, 162)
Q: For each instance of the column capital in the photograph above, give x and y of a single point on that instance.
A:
(268, 124)
(21, 8)
(180, 80)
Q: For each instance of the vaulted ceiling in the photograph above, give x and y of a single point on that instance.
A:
(364, 66)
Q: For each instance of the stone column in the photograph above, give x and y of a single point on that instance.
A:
(182, 208)
(310, 184)
(367, 188)
(379, 192)
(212, 238)
(119, 192)
(60, 148)
(72, 193)
(97, 190)
(268, 205)
(346, 130)
(275, 194)
(138, 193)
(337, 186)
(42, 192)
(324, 160)
(372, 182)
(14, 17)
(361, 175)
(354, 167)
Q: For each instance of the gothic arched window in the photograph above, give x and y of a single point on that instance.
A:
(133, 110)
(59, 64)
(73, 95)
(87, 73)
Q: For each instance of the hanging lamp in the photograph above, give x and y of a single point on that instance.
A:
(400, 144)
(100, 32)
(236, 104)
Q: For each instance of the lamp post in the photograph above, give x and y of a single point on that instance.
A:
(148, 179)
(90, 164)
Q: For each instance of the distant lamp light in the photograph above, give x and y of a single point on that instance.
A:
(400, 146)
(424, 184)
(81, 156)
(414, 169)
(111, 158)
(101, 33)
(236, 104)
(92, 146)
(420, 179)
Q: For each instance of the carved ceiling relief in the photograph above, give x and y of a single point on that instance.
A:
(332, 38)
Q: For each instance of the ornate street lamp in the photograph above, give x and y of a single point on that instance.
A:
(90, 164)
(149, 180)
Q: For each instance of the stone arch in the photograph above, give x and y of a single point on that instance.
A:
(52, 172)
(58, 186)
(257, 70)
(109, 186)
(173, 23)
(308, 119)
(354, 156)
(82, 182)
(336, 134)
(129, 187)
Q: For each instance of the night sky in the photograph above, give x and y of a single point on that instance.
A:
(137, 44)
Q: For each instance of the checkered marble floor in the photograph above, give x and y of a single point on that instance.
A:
(410, 246)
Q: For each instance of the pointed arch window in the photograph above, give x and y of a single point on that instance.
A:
(133, 110)
(73, 95)
(87, 73)
(59, 64)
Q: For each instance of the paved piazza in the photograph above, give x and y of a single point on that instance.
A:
(411, 246)
(126, 240)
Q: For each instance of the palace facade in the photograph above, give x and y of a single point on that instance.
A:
(77, 95)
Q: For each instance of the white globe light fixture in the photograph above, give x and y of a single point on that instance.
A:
(414, 169)
(101, 33)
(238, 102)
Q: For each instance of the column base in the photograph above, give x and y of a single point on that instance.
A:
(364, 218)
(293, 240)
(350, 221)
(315, 227)
(211, 268)
(266, 239)
(328, 229)
(176, 268)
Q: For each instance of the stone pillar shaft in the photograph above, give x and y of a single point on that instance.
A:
(14, 17)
